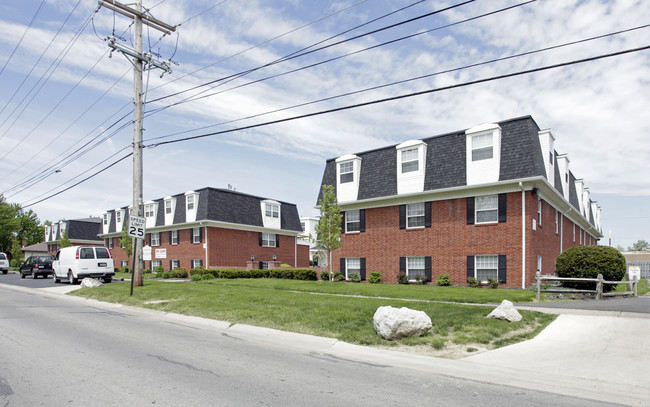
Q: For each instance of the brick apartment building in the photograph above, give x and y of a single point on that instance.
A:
(80, 232)
(213, 228)
(494, 201)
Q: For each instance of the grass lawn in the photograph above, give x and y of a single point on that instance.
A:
(642, 288)
(335, 309)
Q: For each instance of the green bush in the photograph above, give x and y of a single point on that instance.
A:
(158, 270)
(146, 271)
(206, 276)
(402, 278)
(588, 262)
(375, 277)
(196, 277)
(14, 263)
(355, 278)
(304, 274)
(494, 283)
(179, 272)
(167, 274)
(473, 282)
(324, 275)
(125, 269)
(421, 279)
(338, 276)
(444, 279)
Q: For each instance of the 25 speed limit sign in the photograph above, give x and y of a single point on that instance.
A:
(136, 227)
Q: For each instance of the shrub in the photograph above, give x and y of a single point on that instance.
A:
(178, 272)
(285, 265)
(116, 270)
(444, 279)
(158, 269)
(338, 276)
(421, 279)
(206, 276)
(355, 278)
(14, 263)
(402, 279)
(494, 283)
(196, 277)
(588, 262)
(325, 275)
(125, 269)
(146, 271)
(167, 274)
(375, 277)
(197, 270)
(473, 282)
(305, 275)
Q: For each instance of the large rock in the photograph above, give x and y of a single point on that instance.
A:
(394, 323)
(506, 311)
(90, 282)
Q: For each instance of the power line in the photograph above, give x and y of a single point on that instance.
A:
(22, 37)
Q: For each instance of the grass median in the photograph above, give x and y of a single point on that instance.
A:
(338, 310)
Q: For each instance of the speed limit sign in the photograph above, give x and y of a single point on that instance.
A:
(136, 227)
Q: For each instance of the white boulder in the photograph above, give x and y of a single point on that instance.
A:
(394, 323)
(507, 311)
(90, 282)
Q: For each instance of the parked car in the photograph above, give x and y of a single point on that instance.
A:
(4, 263)
(77, 262)
(37, 266)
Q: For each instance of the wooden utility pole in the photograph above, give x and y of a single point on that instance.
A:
(140, 62)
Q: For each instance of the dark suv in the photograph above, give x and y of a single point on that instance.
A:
(37, 266)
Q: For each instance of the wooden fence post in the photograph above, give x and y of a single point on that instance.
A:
(599, 287)
(537, 288)
(635, 286)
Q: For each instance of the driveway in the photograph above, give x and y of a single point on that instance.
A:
(609, 306)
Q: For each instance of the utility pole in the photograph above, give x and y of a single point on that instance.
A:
(140, 61)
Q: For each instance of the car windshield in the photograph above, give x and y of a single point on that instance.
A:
(102, 253)
(44, 259)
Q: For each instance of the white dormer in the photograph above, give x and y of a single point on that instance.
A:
(580, 186)
(597, 219)
(55, 230)
(483, 147)
(170, 209)
(119, 219)
(563, 167)
(586, 202)
(348, 168)
(62, 226)
(547, 143)
(48, 233)
(411, 158)
(191, 205)
(106, 221)
(271, 214)
(150, 213)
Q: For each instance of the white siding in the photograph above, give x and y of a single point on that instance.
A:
(586, 203)
(411, 181)
(348, 191)
(580, 186)
(547, 143)
(486, 170)
(270, 221)
(150, 221)
(563, 167)
(190, 214)
(119, 225)
(169, 217)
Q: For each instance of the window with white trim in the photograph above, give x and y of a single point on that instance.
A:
(110, 242)
(486, 209)
(487, 267)
(557, 222)
(118, 216)
(415, 267)
(574, 232)
(482, 147)
(352, 221)
(148, 211)
(174, 238)
(410, 160)
(415, 215)
(124, 263)
(197, 263)
(271, 210)
(155, 263)
(539, 212)
(175, 264)
(190, 202)
(196, 235)
(105, 219)
(168, 207)
(268, 240)
(352, 266)
(264, 265)
(346, 172)
(155, 238)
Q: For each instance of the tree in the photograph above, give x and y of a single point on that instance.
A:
(65, 240)
(30, 228)
(126, 242)
(639, 246)
(588, 262)
(16, 252)
(9, 224)
(328, 230)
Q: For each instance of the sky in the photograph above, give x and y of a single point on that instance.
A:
(66, 101)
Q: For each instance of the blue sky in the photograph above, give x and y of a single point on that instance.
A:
(598, 110)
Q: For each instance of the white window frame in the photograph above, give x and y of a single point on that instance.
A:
(176, 264)
(415, 214)
(110, 242)
(557, 222)
(124, 263)
(481, 143)
(413, 267)
(352, 218)
(346, 172)
(574, 232)
(190, 202)
(410, 160)
(352, 266)
(484, 264)
(196, 263)
(148, 211)
(105, 219)
(271, 210)
(264, 265)
(196, 235)
(174, 239)
(268, 240)
(118, 216)
(155, 263)
(155, 238)
(168, 207)
(484, 205)
(539, 212)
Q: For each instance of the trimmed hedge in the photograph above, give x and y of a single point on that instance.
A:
(588, 262)
(289, 274)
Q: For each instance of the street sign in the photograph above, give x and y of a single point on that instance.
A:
(136, 227)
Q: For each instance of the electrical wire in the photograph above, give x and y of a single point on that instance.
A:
(22, 37)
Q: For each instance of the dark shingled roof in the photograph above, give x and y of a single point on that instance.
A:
(558, 178)
(573, 194)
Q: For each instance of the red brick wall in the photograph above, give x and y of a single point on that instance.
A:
(450, 240)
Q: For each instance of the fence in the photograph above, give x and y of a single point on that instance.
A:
(643, 265)
(600, 282)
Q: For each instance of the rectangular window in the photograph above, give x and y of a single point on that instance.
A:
(486, 267)
(410, 160)
(148, 211)
(346, 171)
(268, 240)
(414, 267)
(557, 222)
(110, 242)
(190, 202)
(539, 212)
(352, 266)
(105, 219)
(352, 221)
(415, 215)
(264, 265)
(168, 207)
(302, 226)
(118, 216)
(271, 210)
(487, 209)
(124, 263)
(482, 147)
(155, 263)
(175, 264)
(155, 238)
(196, 235)
(197, 263)
(174, 237)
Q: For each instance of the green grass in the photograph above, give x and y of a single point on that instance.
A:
(292, 306)
(642, 288)
(121, 275)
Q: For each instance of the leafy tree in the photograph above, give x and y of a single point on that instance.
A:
(126, 242)
(328, 229)
(16, 252)
(639, 246)
(30, 228)
(65, 240)
(9, 224)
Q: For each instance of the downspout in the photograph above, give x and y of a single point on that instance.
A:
(295, 251)
(523, 236)
(205, 247)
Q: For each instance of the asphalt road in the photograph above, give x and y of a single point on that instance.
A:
(58, 351)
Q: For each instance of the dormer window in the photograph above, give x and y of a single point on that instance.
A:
(105, 219)
(118, 216)
(346, 171)
(168, 207)
(271, 210)
(190, 202)
(410, 160)
(482, 148)
(148, 211)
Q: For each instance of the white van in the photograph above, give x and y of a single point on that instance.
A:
(77, 262)
(4, 263)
